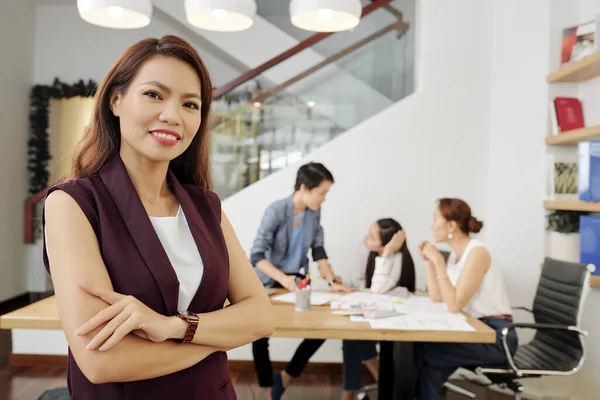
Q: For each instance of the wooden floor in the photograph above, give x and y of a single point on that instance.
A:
(27, 383)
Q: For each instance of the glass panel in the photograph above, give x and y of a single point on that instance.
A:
(321, 92)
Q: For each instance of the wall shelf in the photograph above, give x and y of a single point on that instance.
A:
(571, 138)
(572, 205)
(577, 71)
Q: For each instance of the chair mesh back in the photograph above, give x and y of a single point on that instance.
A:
(557, 301)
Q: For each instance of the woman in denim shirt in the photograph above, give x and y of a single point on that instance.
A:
(290, 227)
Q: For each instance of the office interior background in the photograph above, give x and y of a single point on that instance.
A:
(447, 98)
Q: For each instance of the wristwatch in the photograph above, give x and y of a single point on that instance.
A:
(192, 320)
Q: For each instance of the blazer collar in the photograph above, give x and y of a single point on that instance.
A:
(132, 211)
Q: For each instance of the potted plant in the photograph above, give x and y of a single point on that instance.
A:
(563, 235)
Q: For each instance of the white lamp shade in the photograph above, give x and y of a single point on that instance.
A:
(325, 15)
(119, 14)
(220, 15)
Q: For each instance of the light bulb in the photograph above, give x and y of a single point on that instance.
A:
(325, 14)
(219, 14)
(115, 12)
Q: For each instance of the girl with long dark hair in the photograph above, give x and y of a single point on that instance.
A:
(389, 265)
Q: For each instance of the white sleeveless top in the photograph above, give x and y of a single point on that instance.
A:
(491, 297)
(178, 242)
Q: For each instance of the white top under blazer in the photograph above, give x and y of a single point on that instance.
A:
(177, 240)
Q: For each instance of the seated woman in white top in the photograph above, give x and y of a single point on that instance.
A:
(469, 282)
(389, 265)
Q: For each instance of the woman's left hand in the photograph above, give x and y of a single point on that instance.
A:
(429, 252)
(125, 315)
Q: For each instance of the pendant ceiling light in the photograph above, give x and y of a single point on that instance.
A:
(119, 14)
(325, 15)
(220, 15)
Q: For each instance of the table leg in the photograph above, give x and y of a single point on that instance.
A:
(397, 374)
(405, 374)
(386, 370)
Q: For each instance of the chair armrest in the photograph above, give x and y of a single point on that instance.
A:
(542, 326)
(529, 310)
(509, 327)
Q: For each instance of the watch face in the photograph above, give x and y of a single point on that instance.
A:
(189, 315)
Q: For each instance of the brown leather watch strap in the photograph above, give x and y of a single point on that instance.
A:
(192, 320)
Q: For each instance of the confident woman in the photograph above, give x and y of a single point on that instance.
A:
(141, 256)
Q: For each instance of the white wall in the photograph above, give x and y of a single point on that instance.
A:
(516, 167)
(72, 49)
(16, 22)
(432, 144)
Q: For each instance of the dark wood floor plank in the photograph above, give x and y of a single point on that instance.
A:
(28, 383)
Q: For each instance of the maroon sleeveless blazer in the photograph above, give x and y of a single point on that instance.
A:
(138, 265)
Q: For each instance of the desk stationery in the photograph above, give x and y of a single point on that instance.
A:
(396, 382)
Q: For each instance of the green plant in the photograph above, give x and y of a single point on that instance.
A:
(564, 221)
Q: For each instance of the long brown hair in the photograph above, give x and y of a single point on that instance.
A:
(388, 228)
(458, 210)
(103, 139)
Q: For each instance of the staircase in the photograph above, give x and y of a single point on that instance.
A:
(285, 107)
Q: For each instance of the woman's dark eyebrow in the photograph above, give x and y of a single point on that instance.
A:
(168, 90)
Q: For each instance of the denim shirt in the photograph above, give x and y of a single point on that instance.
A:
(274, 237)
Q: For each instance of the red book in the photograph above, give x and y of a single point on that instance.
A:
(569, 113)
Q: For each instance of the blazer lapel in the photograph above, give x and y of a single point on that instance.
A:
(121, 189)
(200, 232)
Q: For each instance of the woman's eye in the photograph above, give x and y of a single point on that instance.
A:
(193, 106)
(154, 95)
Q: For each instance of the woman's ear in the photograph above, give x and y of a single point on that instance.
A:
(115, 103)
(452, 226)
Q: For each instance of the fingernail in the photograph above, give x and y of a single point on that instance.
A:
(89, 346)
(102, 348)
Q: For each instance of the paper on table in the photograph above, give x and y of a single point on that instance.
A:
(423, 308)
(365, 301)
(316, 298)
(410, 323)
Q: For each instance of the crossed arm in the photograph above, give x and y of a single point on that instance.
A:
(75, 259)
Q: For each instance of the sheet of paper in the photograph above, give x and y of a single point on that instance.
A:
(316, 298)
(424, 308)
(417, 324)
(365, 301)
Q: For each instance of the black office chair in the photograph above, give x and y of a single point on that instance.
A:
(558, 347)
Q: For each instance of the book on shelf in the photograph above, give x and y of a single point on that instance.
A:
(561, 178)
(580, 41)
(589, 241)
(566, 114)
(588, 171)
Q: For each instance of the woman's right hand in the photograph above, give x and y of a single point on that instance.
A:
(429, 252)
(289, 282)
(394, 245)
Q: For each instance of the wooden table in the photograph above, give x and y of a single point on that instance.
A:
(318, 323)
(395, 380)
